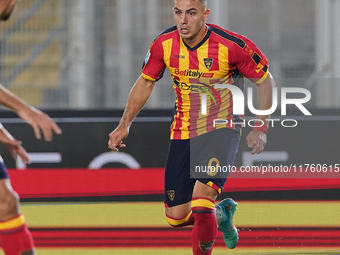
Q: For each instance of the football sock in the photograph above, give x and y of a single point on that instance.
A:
(205, 228)
(15, 237)
(186, 221)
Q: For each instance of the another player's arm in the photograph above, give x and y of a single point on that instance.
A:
(39, 121)
(13, 145)
(138, 97)
(257, 139)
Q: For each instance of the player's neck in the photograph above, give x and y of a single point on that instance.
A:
(200, 35)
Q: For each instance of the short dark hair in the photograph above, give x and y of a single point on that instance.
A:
(204, 2)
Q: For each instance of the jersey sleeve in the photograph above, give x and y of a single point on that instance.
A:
(153, 65)
(251, 62)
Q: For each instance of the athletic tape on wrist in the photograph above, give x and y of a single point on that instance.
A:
(260, 127)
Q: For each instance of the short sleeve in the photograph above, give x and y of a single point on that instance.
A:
(251, 62)
(153, 65)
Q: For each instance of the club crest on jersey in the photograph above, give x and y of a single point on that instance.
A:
(206, 246)
(171, 194)
(208, 62)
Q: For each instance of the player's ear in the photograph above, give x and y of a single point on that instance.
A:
(206, 14)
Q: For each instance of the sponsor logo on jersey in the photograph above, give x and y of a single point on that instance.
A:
(193, 73)
(179, 56)
(207, 75)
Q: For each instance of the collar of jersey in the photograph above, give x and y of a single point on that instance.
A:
(200, 43)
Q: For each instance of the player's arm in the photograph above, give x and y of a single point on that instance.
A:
(13, 145)
(257, 139)
(138, 96)
(39, 121)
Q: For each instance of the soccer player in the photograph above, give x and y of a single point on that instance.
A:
(14, 234)
(199, 56)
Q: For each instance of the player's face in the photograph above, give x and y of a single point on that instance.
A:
(190, 17)
(6, 8)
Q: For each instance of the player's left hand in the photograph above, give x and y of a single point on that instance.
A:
(256, 140)
(13, 145)
(40, 122)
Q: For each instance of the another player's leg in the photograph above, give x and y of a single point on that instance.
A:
(14, 234)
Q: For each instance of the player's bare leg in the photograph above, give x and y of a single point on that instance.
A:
(203, 190)
(178, 211)
(9, 201)
(15, 237)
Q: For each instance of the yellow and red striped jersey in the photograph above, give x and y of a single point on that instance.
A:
(220, 57)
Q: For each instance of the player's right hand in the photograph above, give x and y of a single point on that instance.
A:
(116, 138)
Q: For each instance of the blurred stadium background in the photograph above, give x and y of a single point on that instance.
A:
(84, 54)
(78, 59)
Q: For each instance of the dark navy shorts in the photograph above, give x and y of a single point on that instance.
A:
(3, 170)
(185, 155)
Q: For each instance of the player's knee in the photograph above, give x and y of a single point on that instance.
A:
(210, 190)
(173, 222)
(9, 204)
(180, 220)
